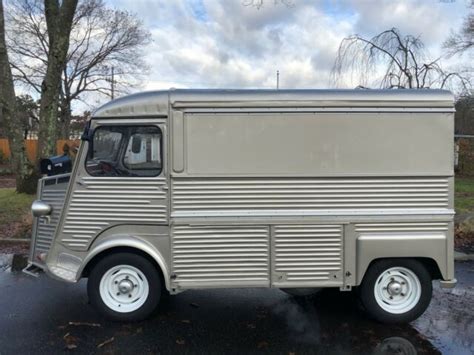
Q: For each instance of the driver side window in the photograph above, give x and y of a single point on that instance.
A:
(125, 151)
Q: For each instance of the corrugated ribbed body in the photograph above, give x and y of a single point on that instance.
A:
(308, 254)
(99, 203)
(199, 195)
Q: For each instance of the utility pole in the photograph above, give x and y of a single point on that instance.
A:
(112, 83)
(278, 79)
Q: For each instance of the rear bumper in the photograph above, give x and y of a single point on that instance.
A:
(448, 283)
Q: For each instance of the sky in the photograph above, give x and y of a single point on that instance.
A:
(234, 44)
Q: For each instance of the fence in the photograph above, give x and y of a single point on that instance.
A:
(32, 147)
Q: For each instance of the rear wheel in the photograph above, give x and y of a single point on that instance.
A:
(124, 287)
(396, 291)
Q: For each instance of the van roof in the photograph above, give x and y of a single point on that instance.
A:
(157, 103)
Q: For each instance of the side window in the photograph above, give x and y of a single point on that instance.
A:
(143, 151)
(125, 151)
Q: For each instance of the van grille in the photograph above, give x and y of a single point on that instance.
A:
(52, 190)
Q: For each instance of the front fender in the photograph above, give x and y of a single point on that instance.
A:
(128, 241)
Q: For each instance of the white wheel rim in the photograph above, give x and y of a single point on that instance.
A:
(124, 288)
(397, 290)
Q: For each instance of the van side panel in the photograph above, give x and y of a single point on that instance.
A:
(319, 144)
(336, 190)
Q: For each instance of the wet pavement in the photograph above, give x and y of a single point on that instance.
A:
(46, 316)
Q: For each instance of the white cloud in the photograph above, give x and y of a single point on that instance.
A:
(209, 43)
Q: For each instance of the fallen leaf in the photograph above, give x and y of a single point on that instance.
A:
(71, 341)
(187, 321)
(251, 326)
(195, 305)
(139, 330)
(262, 344)
(180, 341)
(85, 324)
(108, 341)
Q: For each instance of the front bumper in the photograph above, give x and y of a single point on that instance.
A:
(448, 283)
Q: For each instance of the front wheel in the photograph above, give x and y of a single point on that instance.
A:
(124, 287)
(396, 291)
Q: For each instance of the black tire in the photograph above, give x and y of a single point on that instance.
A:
(367, 293)
(145, 266)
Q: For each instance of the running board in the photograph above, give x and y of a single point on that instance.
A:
(32, 270)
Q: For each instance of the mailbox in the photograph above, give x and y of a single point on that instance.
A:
(59, 164)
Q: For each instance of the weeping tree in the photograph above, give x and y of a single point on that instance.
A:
(102, 40)
(392, 60)
(463, 40)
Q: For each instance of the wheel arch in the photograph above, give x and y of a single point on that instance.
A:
(429, 263)
(130, 245)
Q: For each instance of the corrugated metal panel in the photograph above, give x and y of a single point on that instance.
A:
(308, 254)
(217, 194)
(103, 202)
(52, 191)
(220, 254)
(422, 227)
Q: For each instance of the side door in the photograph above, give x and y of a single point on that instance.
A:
(121, 180)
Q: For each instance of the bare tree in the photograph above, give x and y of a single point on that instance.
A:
(464, 39)
(393, 61)
(9, 118)
(101, 40)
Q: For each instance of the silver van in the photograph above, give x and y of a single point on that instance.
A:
(290, 189)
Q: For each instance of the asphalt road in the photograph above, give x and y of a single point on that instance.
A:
(45, 316)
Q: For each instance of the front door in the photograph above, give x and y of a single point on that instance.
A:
(121, 180)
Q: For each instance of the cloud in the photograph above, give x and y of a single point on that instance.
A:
(210, 43)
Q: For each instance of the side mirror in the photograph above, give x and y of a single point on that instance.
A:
(136, 144)
(40, 209)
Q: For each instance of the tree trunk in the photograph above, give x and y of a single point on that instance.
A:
(59, 21)
(25, 174)
(65, 119)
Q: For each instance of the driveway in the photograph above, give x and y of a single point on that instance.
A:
(45, 316)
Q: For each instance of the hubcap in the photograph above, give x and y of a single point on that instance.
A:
(124, 288)
(394, 288)
(397, 290)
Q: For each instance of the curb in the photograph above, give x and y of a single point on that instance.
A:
(458, 256)
(15, 240)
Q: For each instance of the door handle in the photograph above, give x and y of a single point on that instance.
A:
(80, 182)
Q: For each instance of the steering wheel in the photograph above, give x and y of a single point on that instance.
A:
(108, 168)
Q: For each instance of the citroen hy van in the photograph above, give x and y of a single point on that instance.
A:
(290, 189)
